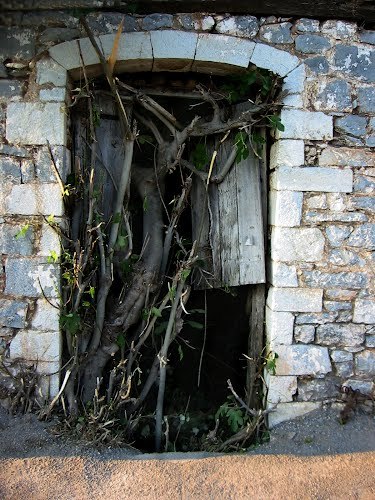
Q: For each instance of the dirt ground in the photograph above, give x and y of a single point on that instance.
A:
(310, 457)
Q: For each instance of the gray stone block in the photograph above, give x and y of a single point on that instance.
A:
(338, 356)
(297, 244)
(14, 151)
(363, 184)
(36, 346)
(365, 364)
(335, 217)
(17, 43)
(173, 50)
(340, 335)
(363, 237)
(202, 23)
(157, 21)
(367, 37)
(344, 370)
(36, 123)
(312, 44)
(366, 203)
(27, 171)
(282, 275)
(316, 319)
(333, 305)
(334, 96)
(11, 243)
(57, 94)
(366, 99)
(43, 163)
(352, 124)
(109, 22)
(13, 313)
(48, 71)
(340, 294)
(244, 26)
(302, 360)
(355, 62)
(307, 25)
(364, 311)
(336, 280)
(346, 157)
(312, 179)
(304, 334)
(317, 390)
(364, 386)
(35, 199)
(318, 64)
(342, 257)
(275, 60)
(32, 278)
(10, 170)
(58, 35)
(370, 141)
(340, 30)
(276, 33)
(370, 340)
(10, 88)
(337, 234)
(295, 299)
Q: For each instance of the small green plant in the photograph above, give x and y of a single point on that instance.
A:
(270, 362)
(22, 232)
(234, 416)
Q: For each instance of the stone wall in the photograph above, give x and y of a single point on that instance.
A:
(320, 317)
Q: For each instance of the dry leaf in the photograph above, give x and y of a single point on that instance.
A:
(113, 57)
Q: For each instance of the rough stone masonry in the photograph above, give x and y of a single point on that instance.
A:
(320, 316)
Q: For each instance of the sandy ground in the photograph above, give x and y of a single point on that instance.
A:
(312, 457)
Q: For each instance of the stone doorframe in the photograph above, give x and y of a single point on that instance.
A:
(181, 52)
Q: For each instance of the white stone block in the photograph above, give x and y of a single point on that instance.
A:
(278, 61)
(295, 299)
(303, 359)
(292, 101)
(36, 123)
(35, 199)
(46, 317)
(49, 241)
(288, 153)
(173, 50)
(319, 179)
(279, 328)
(48, 71)
(280, 389)
(317, 201)
(285, 208)
(289, 411)
(57, 94)
(307, 125)
(36, 346)
(364, 311)
(215, 50)
(294, 83)
(297, 244)
(134, 51)
(282, 275)
(49, 383)
(67, 54)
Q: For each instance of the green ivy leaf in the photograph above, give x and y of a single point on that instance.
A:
(195, 324)
(71, 323)
(22, 232)
(181, 353)
(156, 312)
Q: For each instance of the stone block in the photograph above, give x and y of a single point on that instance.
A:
(10, 89)
(356, 62)
(279, 328)
(316, 201)
(48, 71)
(57, 94)
(173, 50)
(366, 99)
(280, 389)
(363, 237)
(109, 22)
(50, 381)
(297, 244)
(202, 23)
(364, 386)
(337, 234)
(276, 33)
(370, 340)
(36, 123)
(289, 411)
(46, 317)
(36, 346)
(346, 157)
(10, 170)
(313, 216)
(364, 311)
(295, 299)
(242, 26)
(313, 179)
(285, 208)
(135, 52)
(294, 82)
(286, 152)
(312, 44)
(343, 335)
(333, 305)
(5, 149)
(316, 319)
(364, 185)
(17, 239)
(351, 124)
(340, 294)
(344, 370)
(317, 389)
(338, 356)
(304, 334)
(13, 313)
(342, 257)
(334, 96)
(53, 35)
(275, 60)
(340, 30)
(309, 125)
(44, 166)
(35, 199)
(307, 25)
(157, 21)
(217, 53)
(337, 202)
(340, 280)
(318, 65)
(282, 275)
(27, 171)
(367, 37)
(49, 242)
(302, 360)
(32, 278)
(17, 43)
(67, 54)
(365, 364)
